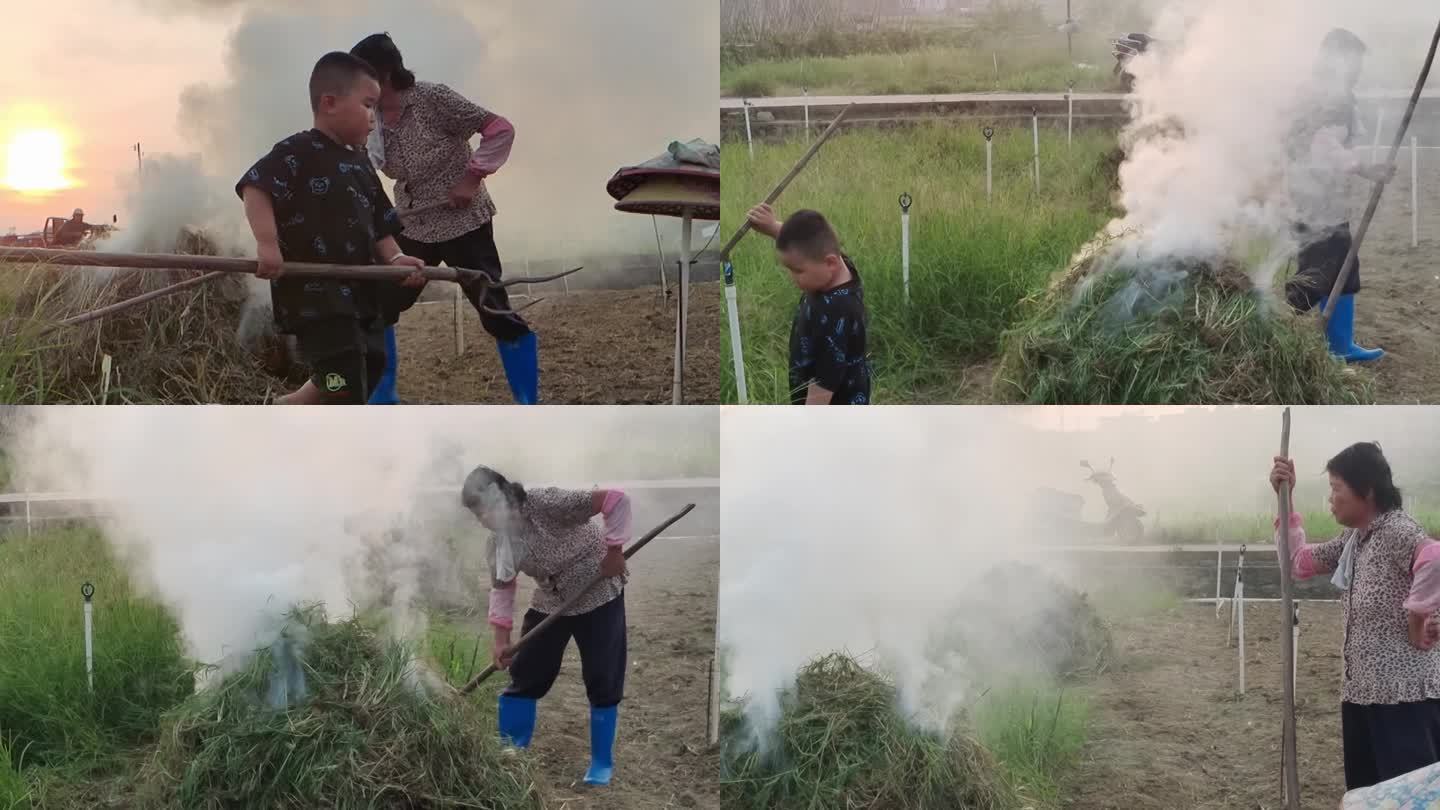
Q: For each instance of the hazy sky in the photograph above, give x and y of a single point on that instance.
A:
(105, 75)
(590, 87)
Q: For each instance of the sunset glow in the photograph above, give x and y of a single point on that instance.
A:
(35, 162)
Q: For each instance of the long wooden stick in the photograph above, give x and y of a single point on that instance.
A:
(168, 261)
(1289, 767)
(554, 617)
(794, 172)
(1349, 266)
(120, 306)
(411, 213)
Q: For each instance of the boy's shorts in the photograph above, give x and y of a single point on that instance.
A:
(346, 356)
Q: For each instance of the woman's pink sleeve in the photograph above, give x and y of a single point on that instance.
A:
(496, 139)
(1302, 554)
(502, 605)
(1424, 595)
(616, 510)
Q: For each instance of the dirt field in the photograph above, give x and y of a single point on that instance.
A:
(1398, 307)
(596, 348)
(1169, 730)
(662, 759)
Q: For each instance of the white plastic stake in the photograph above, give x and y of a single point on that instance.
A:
(1219, 555)
(1241, 606)
(1295, 662)
(905, 242)
(87, 590)
(1414, 191)
(749, 141)
(459, 322)
(684, 315)
(736, 353)
(989, 133)
(106, 364)
(806, 91)
(714, 730)
(1035, 126)
(1375, 148)
(1070, 116)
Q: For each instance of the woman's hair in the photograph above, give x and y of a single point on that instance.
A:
(380, 51)
(1364, 469)
(480, 480)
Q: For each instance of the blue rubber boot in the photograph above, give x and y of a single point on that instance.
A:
(1340, 333)
(602, 745)
(385, 392)
(517, 720)
(521, 359)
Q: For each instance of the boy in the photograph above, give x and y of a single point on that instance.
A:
(1320, 164)
(313, 198)
(828, 364)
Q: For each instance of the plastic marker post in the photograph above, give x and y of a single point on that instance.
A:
(905, 201)
(87, 590)
(749, 140)
(1414, 191)
(806, 92)
(736, 352)
(1035, 127)
(1070, 115)
(1295, 662)
(1241, 636)
(989, 133)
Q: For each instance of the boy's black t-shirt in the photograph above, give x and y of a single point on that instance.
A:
(827, 344)
(330, 208)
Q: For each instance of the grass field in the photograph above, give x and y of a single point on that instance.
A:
(971, 262)
(1014, 67)
(62, 746)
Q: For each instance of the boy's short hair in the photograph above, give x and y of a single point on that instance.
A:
(335, 75)
(810, 234)
(1343, 41)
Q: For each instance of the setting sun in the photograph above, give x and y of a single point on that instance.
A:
(35, 162)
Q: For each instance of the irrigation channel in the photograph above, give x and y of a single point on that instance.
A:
(779, 117)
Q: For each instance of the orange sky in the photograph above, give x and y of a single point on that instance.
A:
(105, 74)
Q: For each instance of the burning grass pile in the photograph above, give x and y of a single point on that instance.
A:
(1110, 331)
(185, 348)
(1039, 626)
(842, 741)
(357, 727)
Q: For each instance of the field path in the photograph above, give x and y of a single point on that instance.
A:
(1169, 731)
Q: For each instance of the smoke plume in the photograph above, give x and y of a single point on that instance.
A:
(233, 516)
(1216, 99)
(589, 86)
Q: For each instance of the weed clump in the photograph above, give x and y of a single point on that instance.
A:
(1178, 331)
(358, 726)
(842, 741)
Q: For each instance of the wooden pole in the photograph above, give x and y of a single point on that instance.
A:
(1349, 266)
(553, 617)
(120, 306)
(794, 172)
(1289, 771)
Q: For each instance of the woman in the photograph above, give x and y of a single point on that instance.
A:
(422, 141)
(1384, 564)
(548, 534)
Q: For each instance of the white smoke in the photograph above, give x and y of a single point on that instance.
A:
(589, 86)
(232, 516)
(1230, 74)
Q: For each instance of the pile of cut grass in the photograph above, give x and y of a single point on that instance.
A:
(368, 733)
(1185, 332)
(185, 348)
(842, 742)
